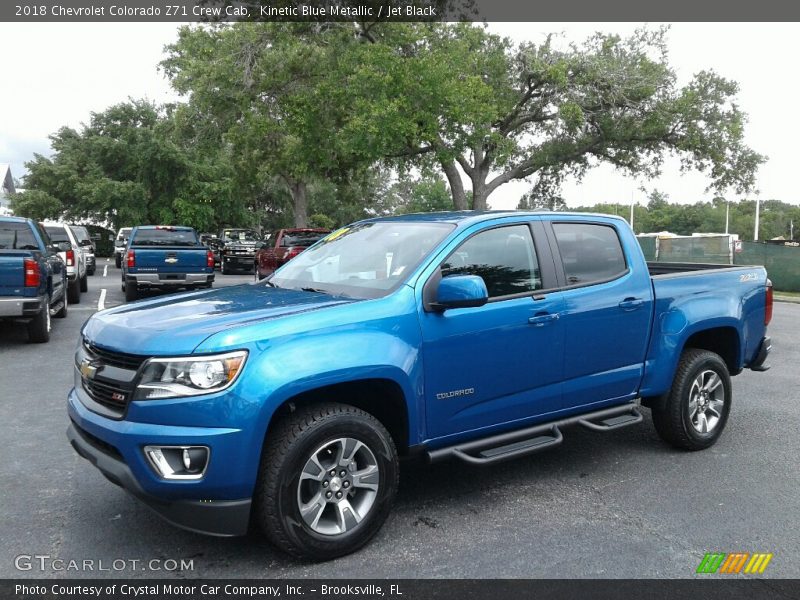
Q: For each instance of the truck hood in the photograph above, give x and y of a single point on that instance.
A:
(177, 324)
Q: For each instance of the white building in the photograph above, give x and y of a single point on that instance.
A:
(6, 188)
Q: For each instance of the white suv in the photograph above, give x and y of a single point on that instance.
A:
(74, 259)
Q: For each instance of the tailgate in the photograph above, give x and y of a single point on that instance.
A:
(170, 260)
(12, 273)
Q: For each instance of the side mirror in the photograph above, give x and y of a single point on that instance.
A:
(461, 291)
(63, 246)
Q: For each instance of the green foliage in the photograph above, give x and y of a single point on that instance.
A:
(322, 221)
(777, 219)
(37, 205)
(426, 194)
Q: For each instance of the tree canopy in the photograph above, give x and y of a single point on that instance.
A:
(293, 123)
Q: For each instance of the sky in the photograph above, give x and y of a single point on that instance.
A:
(57, 74)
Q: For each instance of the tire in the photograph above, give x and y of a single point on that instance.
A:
(691, 419)
(131, 292)
(91, 271)
(222, 269)
(84, 283)
(118, 260)
(62, 312)
(334, 530)
(39, 326)
(74, 292)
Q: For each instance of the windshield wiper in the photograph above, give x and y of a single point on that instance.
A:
(311, 289)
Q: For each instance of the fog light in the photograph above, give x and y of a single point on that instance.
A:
(178, 462)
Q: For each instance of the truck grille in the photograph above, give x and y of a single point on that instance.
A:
(111, 385)
(115, 359)
(110, 395)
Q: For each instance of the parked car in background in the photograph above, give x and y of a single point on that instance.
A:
(165, 257)
(33, 278)
(214, 244)
(238, 250)
(87, 246)
(73, 258)
(283, 246)
(119, 245)
(463, 336)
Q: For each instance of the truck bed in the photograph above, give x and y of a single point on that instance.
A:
(658, 269)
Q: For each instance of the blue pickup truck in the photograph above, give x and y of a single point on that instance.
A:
(165, 257)
(33, 278)
(465, 336)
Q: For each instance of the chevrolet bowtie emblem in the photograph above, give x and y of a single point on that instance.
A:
(170, 260)
(88, 369)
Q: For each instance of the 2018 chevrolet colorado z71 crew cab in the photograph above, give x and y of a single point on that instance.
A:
(471, 336)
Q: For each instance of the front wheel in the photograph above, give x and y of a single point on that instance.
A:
(697, 407)
(327, 481)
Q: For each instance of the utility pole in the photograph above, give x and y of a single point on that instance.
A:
(727, 214)
(758, 215)
(632, 211)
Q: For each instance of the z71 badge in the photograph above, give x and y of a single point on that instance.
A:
(748, 277)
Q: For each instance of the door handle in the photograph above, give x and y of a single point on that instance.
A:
(543, 319)
(631, 304)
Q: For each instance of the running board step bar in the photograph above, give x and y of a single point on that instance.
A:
(611, 423)
(515, 444)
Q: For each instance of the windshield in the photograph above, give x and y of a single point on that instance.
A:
(165, 237)
(17, 236)
(240, 235)
(367, 260)
(302, 238)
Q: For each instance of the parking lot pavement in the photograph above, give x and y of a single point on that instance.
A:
(619, 504)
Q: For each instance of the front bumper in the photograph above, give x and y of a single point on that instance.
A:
(21, 306)
(761, 357)
(239, 260)
(212, 505)
(170, 279)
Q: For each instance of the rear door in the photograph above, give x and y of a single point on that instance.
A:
(501, 362)
(606, 312)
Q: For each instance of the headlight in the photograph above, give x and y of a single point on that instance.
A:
(189, 376)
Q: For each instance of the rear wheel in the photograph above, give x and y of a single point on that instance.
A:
(131, 292)
(327, 481)
(74, 291)
(39, 326)
(84, 283)
(118, 260)
(697, 407)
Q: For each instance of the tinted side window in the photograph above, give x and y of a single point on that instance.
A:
(504, 257)
(589, 252)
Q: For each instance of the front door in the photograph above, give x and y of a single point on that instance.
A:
(501, 362)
